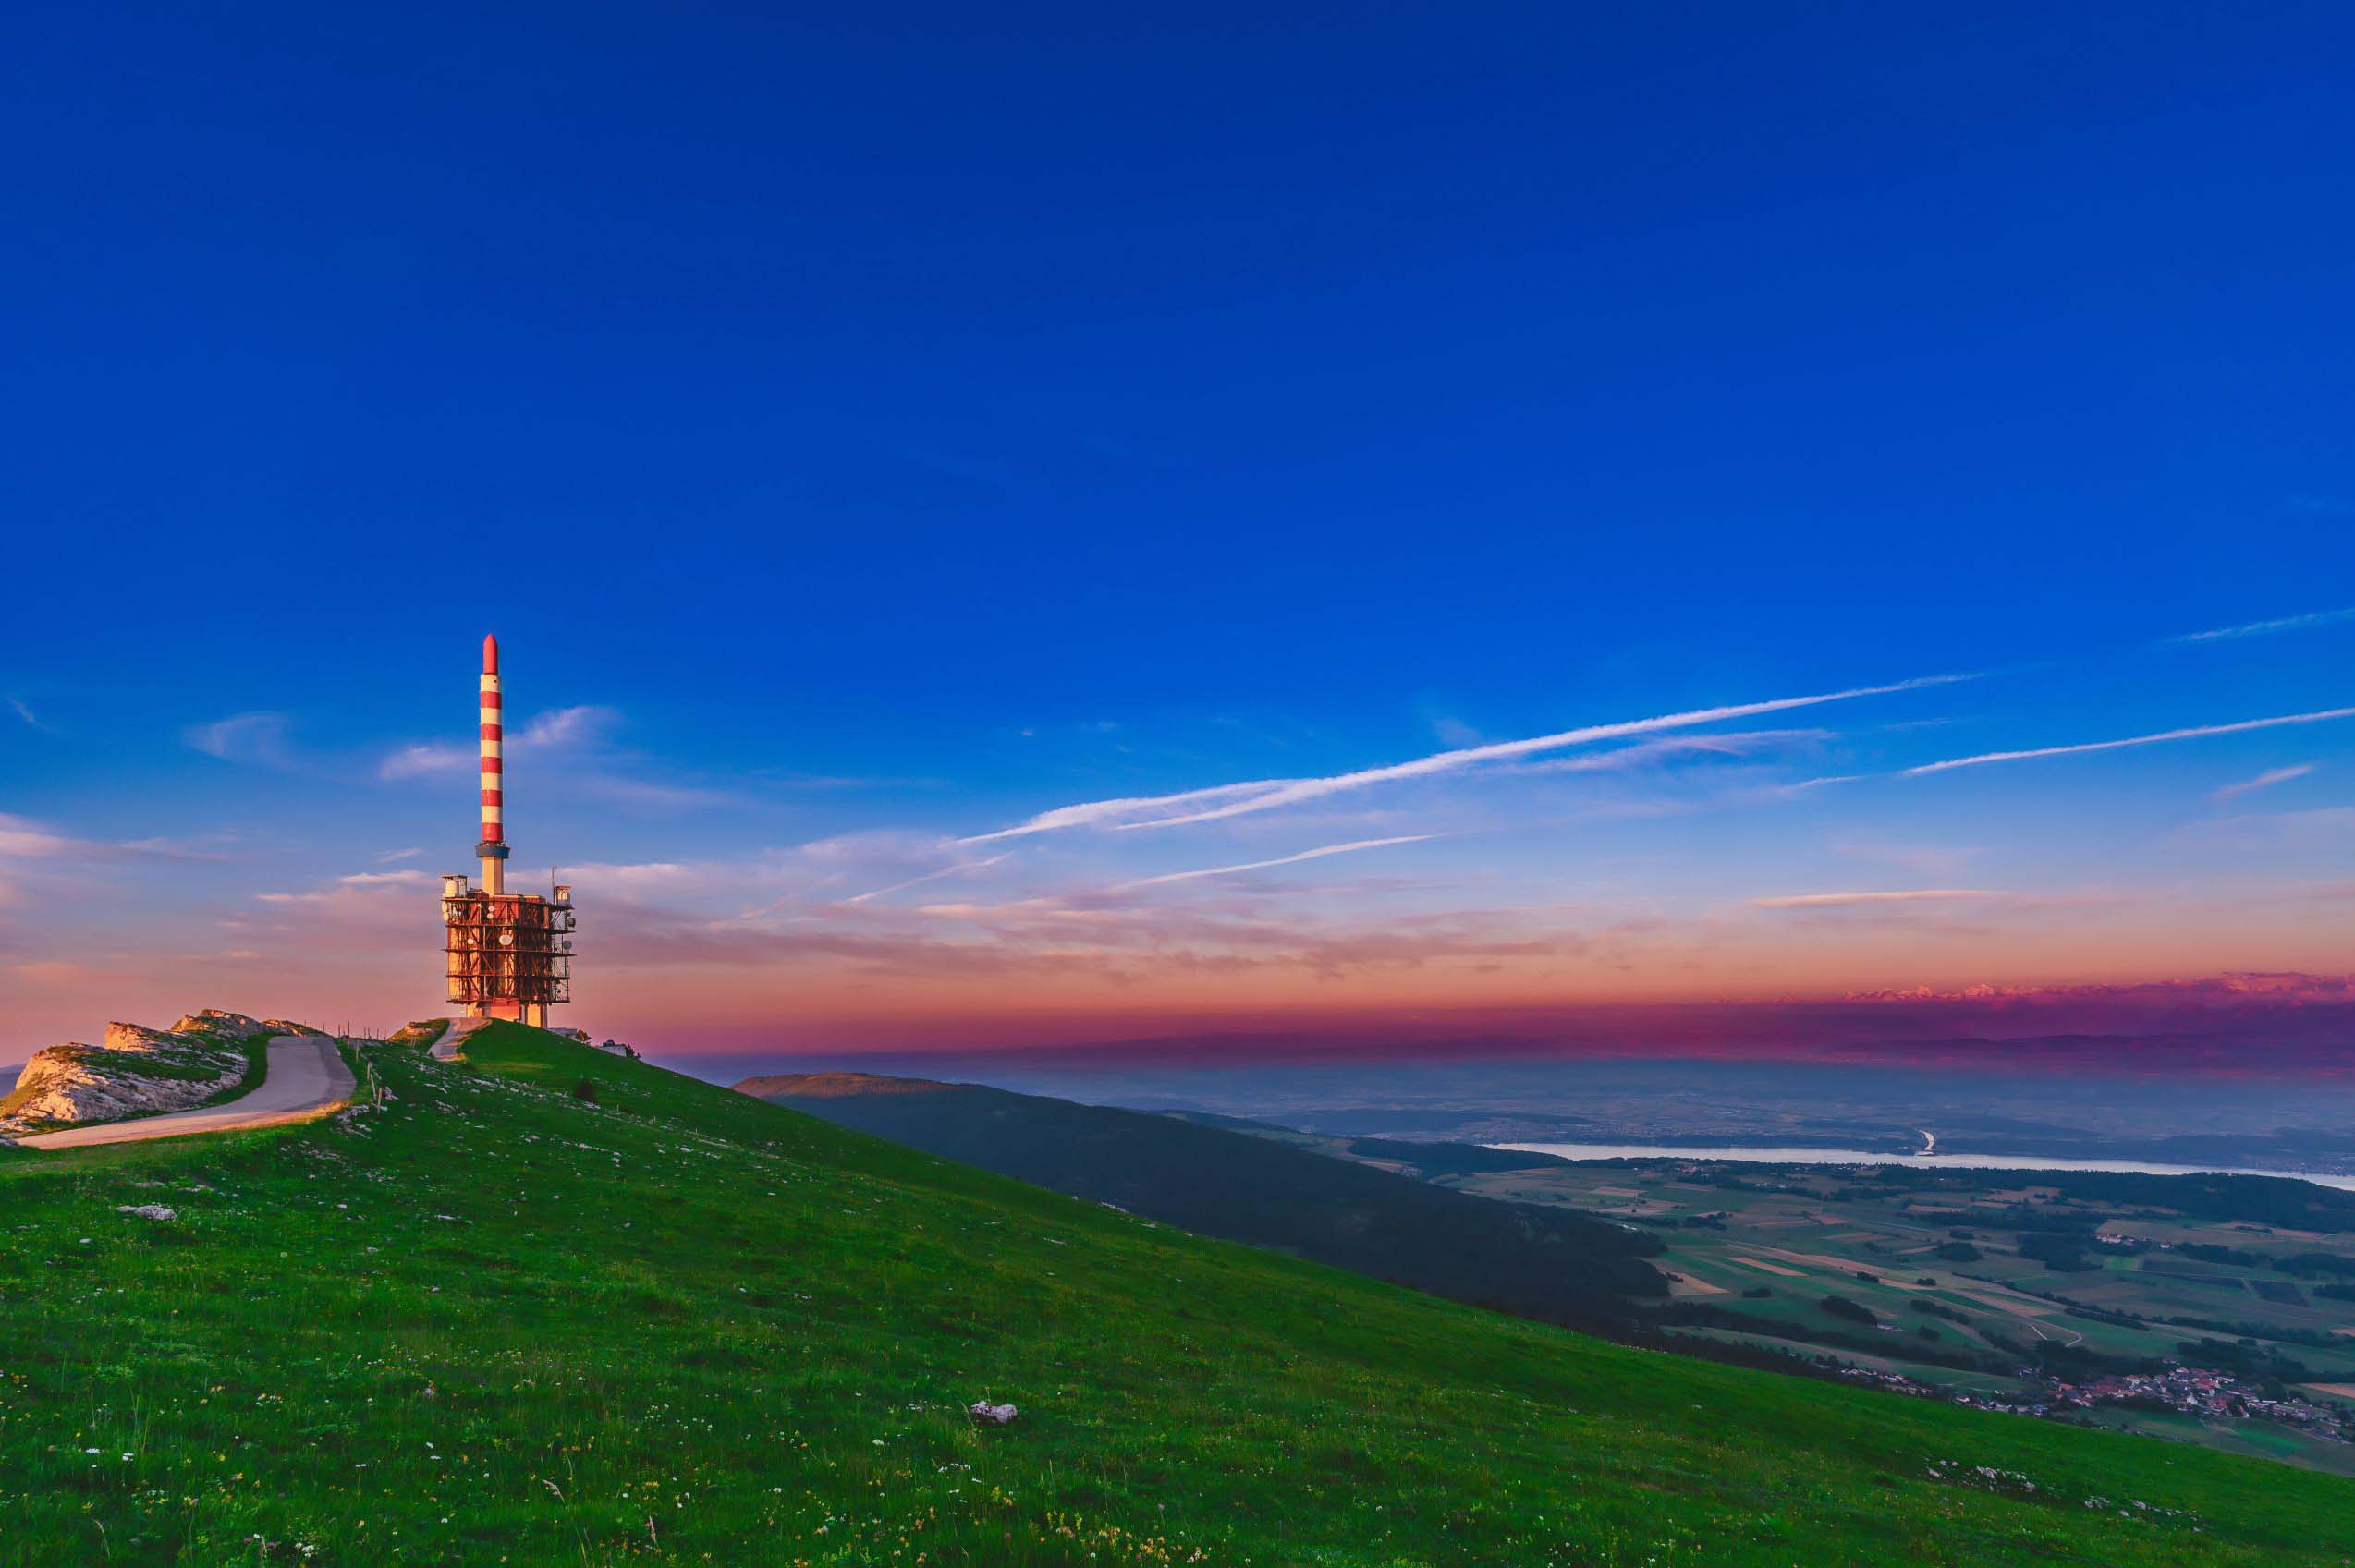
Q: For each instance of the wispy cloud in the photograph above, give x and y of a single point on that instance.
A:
(1800, 786)
(1644, 753)
(354, 913)
(1109, 813)
(582, 735)
(258, 737)
(1236, 799)
(390, 855)
(1842, 900)
(559, 729)
(569, 726)
(1455, 731)
(2260, 828)
(2265, 780)
(958, 869)
(23, 839)
(2266, 628)
(2194, 732)
(424, 759)
(1280, 860)
(25, 713)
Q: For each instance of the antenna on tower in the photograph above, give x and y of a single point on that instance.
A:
(509, 955)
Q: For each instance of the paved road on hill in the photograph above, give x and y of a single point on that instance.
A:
(306, 1077)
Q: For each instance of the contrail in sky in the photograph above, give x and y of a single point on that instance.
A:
(927, 876)
(2194, 732)
(1280, 860)
(1237, 799)
(2260, 629)
(2265, 780)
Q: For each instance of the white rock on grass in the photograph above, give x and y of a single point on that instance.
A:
(996, 1415)
(138, 1069)
(146, 1211)
(215, 1018)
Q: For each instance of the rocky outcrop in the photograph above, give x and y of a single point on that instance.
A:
(214, 1019)
(140, 1038)
(136, 1071)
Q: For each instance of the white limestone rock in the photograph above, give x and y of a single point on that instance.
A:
(138, 1037)
(215, 1018)
(138, 1070)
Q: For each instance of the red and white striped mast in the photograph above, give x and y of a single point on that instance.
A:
(493, 850)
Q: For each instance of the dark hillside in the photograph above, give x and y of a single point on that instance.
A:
(1432, 1160)
(1540, 1262)
(1429, 1160)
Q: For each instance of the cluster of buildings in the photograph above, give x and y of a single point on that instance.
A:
(2193, 1390)
(2187, 1390)
(1897, 1383)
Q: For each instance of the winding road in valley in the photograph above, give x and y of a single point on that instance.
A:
(306, 1076)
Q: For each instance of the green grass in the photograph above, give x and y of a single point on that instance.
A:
(2265, 1437)
(257, 1073)
(495, 1323)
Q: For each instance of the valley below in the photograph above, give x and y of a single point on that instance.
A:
(2217, 1308)
(2213, 1310)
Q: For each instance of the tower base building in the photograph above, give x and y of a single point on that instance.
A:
(509, 955)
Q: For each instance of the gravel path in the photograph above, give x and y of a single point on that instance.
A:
(306, 1078)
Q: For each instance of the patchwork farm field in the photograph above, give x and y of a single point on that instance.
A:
(1986, 1283)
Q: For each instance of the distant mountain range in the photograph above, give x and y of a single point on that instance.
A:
(1219, 1179)
(2238, 1027)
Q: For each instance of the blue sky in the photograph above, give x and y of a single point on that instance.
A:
(867, 433)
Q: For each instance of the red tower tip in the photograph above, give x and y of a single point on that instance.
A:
(490, 655)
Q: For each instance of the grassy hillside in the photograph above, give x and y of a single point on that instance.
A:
(1541, 1261)
(496, 1322)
